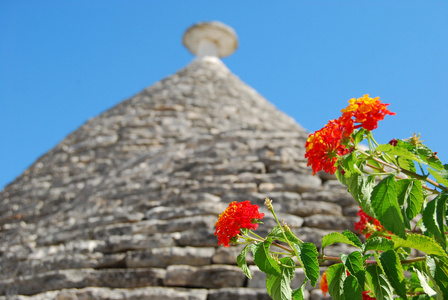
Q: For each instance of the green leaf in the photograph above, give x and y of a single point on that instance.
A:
(381, 286)
(298, 294)
(390, 263)
(277, 234)
(279, 287)
(335, 278)
(308, 259)
(242, 263)
(419, 242)
(410, 198)
(441, 278)
(348, 162)
(263, 260)
(407, 164)
(358, 135)
(398, 151)
(361, 189)
(352, 289)
(354, 264)
(421, 297)
(385, 204)
(353, 237)
(336, 237)
(424, 279)
(427, 157)
(378, 243)
(433, 216)
(441, 176)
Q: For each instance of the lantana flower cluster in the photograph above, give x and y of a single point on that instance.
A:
(368, 225)
(324, 146)
(237, 215)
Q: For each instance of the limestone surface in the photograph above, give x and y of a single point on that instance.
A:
(125, 206)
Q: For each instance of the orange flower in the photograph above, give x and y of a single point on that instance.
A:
(368, 225)
(324, 147)
(366, 111)
(324, 284)
(236, 216)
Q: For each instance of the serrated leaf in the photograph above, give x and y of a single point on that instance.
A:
(279, 287)
(352, 289)
(358, 135)
(308, 259)
(277, 234)
(385, 204)
(298, 294)
(242, 263)
(382, 287)
(441, 278)
(398, 151)
(427, 157)
(410, 198)
(361, 189)
(441, 176)
(263, 260)
(336, 237)
(441, 214)
(354, 264)
(335, 278)
(424, 279)
(353, 237)
(407, 164)
(419, 242)
(433, 216)
(378, 243)
(391, 265)
(348, 162)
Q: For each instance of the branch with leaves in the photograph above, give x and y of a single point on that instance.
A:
(401, 189)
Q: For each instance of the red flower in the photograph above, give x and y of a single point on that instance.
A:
(324, 284)
(366, 111)
(365, 296)
(236, 216)
(368, 225)
(324, 147)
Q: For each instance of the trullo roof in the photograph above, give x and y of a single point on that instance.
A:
(125, 206)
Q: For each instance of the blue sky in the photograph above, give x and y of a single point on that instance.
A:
(63, 62)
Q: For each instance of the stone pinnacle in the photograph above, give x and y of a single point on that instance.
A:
(210, 39)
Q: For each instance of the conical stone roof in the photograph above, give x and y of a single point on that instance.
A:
(125, 206)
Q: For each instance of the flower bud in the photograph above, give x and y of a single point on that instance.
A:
(268, 203)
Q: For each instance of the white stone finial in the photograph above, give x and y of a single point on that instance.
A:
(210, 39)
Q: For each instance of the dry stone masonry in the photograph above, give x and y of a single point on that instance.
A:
(125, 206)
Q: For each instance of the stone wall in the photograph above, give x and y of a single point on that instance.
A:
(125, 207)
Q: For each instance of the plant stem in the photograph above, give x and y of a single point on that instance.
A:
(281, 228)
(409, 173)
(371, 262)
(399, 177)
(282, 247)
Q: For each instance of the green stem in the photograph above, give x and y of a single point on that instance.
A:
(371, 262)
(376, 168)
(281, 228)
(403, 262)
(256, 235)
(409, 173)
(283, 247)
